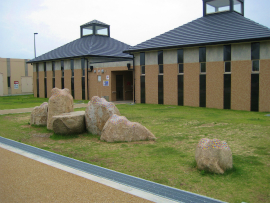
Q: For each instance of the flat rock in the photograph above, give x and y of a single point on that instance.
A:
(97, 112)
(119, 128)
(213, 156)
(60, 102)
(39, 115)
(69, 123)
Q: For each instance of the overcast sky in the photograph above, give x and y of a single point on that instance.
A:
(57, 22)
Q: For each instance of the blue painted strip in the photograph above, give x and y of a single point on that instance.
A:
(138, 183)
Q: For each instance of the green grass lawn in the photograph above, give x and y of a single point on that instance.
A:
(170, 159)
(24, 101)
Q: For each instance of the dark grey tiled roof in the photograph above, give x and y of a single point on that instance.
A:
(94, 22)
(213, 29)
(92, 45)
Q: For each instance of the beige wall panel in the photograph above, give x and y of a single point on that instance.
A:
(265, 50)
(17, 69)
(1, 84)
(214, 53)
(35, 83)
(191, 84)
(137, 59)
(240, 85)
(241, 51)
(67, 64)
(49, 83)
(138, 84)
(170, 84)
(49, 66)
(58, 76)
(151, 84)
(3, 69)
(170, 56)
(78, 84)
(77, 63)
(57, 65)
(191, 55)
(214, 84)
(67, 79)
(113, 86)
(264, 94)
(151, 58)
(92, 84)
(41, 85)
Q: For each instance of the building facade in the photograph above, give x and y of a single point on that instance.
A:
(16, 76)
(221, 60)
(80, 67)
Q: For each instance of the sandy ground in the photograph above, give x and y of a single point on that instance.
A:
(25, 180)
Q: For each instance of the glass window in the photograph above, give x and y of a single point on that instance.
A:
(72, 67)
(62, 68)
(53, 68)
(142, 58)
(227, 53)
(160, 67)
(255, 65)
(181, 68)
(160, 57)
(237, 6)
(202, 54)
(37, 69)
(8, 81)
(87, 30)
(99, 78)
(217, 6)
(100, 30)
(255, 50)
(203, 67)
(83, 67)
(180, 56)
(45, 70)
(142, 70)
(227, 67)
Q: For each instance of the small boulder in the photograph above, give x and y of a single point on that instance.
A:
(60, 102)
(69, 123)
(213, 156)
(39, 114)
(119, 128)
(97, 112)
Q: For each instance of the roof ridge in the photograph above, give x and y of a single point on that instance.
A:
(95, 22)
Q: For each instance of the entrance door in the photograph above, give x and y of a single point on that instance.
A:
(27, 84)
(119, 88)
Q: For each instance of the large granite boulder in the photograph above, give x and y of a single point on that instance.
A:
(39, 114)
(97, 112)
(69, 123)
(60, 102)
(213, 156)
(119, 128)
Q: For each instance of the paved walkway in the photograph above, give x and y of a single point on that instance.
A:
(25, 180)
(27, 110)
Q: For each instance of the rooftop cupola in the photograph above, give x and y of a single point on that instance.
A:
(95, 27)
(218, 6)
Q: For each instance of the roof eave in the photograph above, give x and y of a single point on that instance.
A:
(197, 44)
(82, 56)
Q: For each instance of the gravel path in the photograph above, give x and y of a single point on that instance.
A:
(25, 180)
